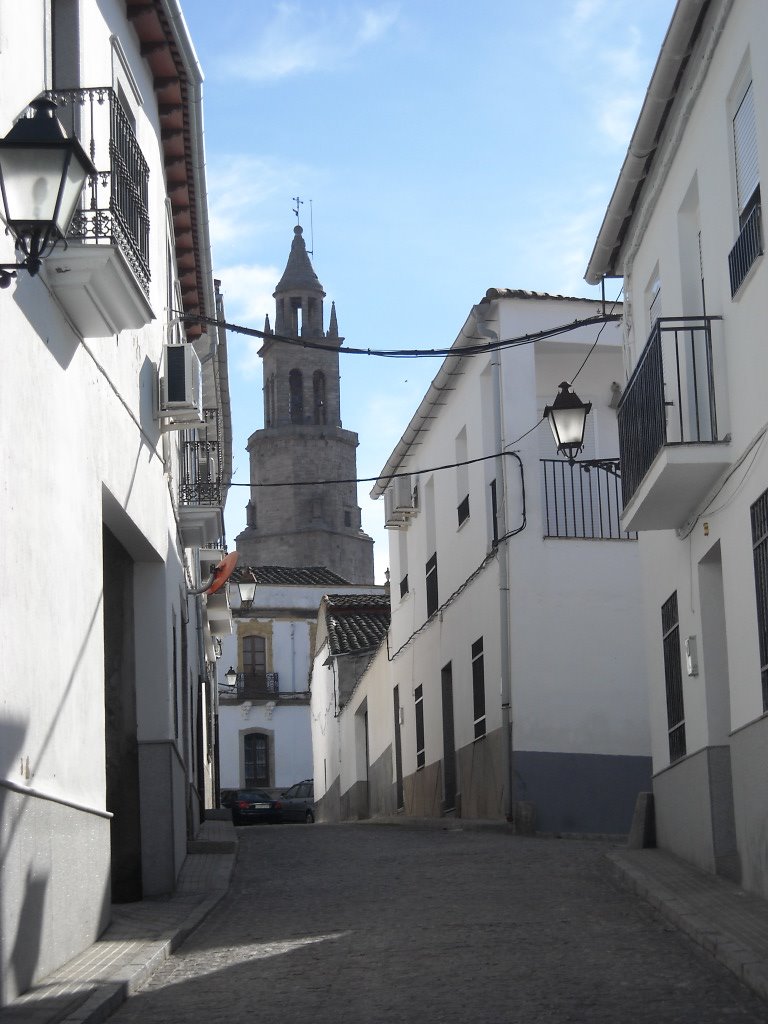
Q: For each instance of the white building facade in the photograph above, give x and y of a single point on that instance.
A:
(685, 231)
(265, 736)
(114, 488)
(508, 685)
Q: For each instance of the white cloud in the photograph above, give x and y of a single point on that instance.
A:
(300, 40)
(237, 186)
(606, 56)
(587, 10)
(247, 291)
(618, 116)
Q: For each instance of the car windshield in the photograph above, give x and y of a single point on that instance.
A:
(252, 795)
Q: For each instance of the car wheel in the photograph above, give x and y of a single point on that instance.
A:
(309, 817)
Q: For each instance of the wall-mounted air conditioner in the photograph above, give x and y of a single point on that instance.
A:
(181, 385)
(405, 495)
(394, 519)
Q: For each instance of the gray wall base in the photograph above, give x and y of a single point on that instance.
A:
(163, 817)
(60, 903)
(581, 793)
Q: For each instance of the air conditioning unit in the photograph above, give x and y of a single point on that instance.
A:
(181, 384)
(394, 519)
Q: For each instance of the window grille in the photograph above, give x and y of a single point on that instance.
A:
(431, 574)
(673, 675)
(759, 514)
(478, 687)
(418, 695)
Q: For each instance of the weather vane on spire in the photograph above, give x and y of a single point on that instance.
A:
(299, 203)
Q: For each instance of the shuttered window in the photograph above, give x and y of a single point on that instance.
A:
(745, 151)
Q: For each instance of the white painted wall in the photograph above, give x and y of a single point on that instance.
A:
(699, 157)
(85, 451)
(576, 657)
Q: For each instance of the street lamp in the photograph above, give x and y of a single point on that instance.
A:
(42, 174)
(568, 417)
(231, 676)
(247, 589)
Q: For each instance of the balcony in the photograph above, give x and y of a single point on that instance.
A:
(201, 493)
(749, 245)
(671, 451)
(582, 501)
(102, 277)
(260, 686)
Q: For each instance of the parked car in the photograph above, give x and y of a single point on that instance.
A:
(298, 802)
(254, 805)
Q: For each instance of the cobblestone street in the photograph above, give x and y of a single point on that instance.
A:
(361, 924)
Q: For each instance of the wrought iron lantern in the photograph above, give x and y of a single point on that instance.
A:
(247, 589)
(231, 676)
(568, 417)
(42, 175)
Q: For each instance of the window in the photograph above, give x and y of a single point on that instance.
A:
(347, 517)
(759, 514)
(463, 510)
(494, 515)
(254, 664)
(749, 244)
(418, 696)
(404, 586)
(478, 687)
(431, 573)
(256, 759)
(673, 676)
(318, 387)
(462, 476)
(745, 155)
(296, 396)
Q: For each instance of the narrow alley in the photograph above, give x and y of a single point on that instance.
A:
(372, 923)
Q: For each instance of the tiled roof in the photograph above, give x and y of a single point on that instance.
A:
(357, 622)
(285, 575)
(520, 293)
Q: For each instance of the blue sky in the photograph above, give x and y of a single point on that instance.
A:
(447, 147)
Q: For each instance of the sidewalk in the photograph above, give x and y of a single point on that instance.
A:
(719, 916)
(141, 936)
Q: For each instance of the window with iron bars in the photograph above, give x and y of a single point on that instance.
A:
(673, 676)
(418, 695)
(759, 515)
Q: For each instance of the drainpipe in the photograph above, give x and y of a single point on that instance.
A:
(503, 561)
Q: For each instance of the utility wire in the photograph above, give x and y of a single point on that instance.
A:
(594, 343)
(381, 476)
(405, 353)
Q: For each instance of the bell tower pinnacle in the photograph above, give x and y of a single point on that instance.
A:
(300, 524)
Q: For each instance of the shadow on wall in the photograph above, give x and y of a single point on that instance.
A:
(12, 734)
(14, 767)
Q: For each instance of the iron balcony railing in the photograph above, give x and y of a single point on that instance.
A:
(749, 245)
(201, 464)
(259, 686)
(583, 500)
(670, 397)
(115, 205)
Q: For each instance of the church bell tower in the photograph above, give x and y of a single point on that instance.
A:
(297, 524)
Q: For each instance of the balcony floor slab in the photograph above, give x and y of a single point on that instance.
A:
(679, 479)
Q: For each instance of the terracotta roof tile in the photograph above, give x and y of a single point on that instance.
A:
(284, 575)
(357, 623)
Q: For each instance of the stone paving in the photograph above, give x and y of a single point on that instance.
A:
(371, 924)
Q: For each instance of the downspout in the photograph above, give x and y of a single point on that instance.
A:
(503, 561)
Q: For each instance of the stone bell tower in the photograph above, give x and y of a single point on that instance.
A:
(303, 440)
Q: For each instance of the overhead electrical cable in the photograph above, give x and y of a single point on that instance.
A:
(405, 353)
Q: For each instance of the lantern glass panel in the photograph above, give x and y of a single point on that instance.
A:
(31, 182)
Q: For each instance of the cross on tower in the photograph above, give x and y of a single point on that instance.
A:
(299, 203)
